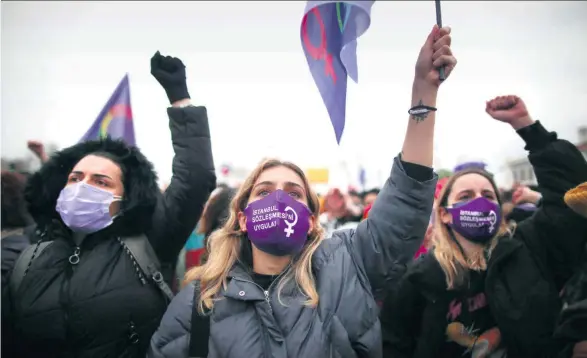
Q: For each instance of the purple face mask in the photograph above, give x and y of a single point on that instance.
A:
(477, 220)
(278, 224)
(85, 208)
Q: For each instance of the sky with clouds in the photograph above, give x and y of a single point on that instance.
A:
(62, 60)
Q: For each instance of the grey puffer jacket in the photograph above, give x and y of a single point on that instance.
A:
(352, 270)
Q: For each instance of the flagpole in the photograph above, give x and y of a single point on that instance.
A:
(441, 74)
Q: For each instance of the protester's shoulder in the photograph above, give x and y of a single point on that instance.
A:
(331, 245)
(175, 327)
(15, 243)
(177, 318)
(184, 300)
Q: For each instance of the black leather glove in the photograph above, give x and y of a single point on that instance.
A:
(170, 73)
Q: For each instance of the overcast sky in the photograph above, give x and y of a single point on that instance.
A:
(62, 60)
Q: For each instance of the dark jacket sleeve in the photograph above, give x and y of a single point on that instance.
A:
(387, 240)
(172, 339)
(555, 234)
(194, 178)
(401, 316)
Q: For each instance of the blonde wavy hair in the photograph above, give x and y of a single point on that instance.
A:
(447, 252)
(224, 246)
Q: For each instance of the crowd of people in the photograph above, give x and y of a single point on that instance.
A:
(98, 261)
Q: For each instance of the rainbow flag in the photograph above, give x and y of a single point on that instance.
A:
(329, 34)
(115, 119)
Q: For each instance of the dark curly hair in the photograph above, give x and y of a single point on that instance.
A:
(14, 213)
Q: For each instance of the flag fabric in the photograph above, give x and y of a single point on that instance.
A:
(328, 33)
(115, 120)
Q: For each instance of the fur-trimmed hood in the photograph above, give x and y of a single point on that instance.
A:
(139, 178)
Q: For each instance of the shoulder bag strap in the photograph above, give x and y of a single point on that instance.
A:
(22, 264)
(144, 255)
(200, 331)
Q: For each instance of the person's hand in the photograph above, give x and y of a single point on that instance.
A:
(38, 148)
(509, 109)
(435, 53)
(523, 194)
(170, 73)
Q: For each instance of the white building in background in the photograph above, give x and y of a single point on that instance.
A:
(521, 169)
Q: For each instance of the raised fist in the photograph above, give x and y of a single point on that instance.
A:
(507, 109)
(38, 148)
(170, 73)
(523, 194)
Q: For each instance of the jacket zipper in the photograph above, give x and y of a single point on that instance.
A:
(74, 259)
(268, 290)
(268, 300)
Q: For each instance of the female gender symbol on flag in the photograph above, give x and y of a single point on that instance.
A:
(329, 35)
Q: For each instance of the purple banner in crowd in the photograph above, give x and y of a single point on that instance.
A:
(115, 120)
(329, 32)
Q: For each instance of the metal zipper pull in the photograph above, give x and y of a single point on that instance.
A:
(268, 301)
(74, 259)
(133, 336)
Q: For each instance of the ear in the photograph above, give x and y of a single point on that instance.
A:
(242, 221)
(445, 216)
(313, 221)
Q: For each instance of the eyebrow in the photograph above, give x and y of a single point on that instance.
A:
(287, 183)
(93, 175)
(469, 191)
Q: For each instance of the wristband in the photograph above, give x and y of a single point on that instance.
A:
(421, 109)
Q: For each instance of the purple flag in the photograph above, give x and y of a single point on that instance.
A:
(115, 120)
(329, 32)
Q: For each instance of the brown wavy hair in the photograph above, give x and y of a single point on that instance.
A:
(224, 245)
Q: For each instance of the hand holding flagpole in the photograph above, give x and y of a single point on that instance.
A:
(441, 74)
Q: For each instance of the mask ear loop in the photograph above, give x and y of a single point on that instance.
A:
(120, 211)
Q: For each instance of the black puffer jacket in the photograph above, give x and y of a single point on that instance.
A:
(99, 308)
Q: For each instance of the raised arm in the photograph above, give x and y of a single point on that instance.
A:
(555, 234)
(387, 240)
(194, 178)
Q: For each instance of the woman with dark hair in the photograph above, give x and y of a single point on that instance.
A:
(86, 293)
(483, 290)
(14, 219)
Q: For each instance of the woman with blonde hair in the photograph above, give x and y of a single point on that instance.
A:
(484, 291)
(273, 286)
